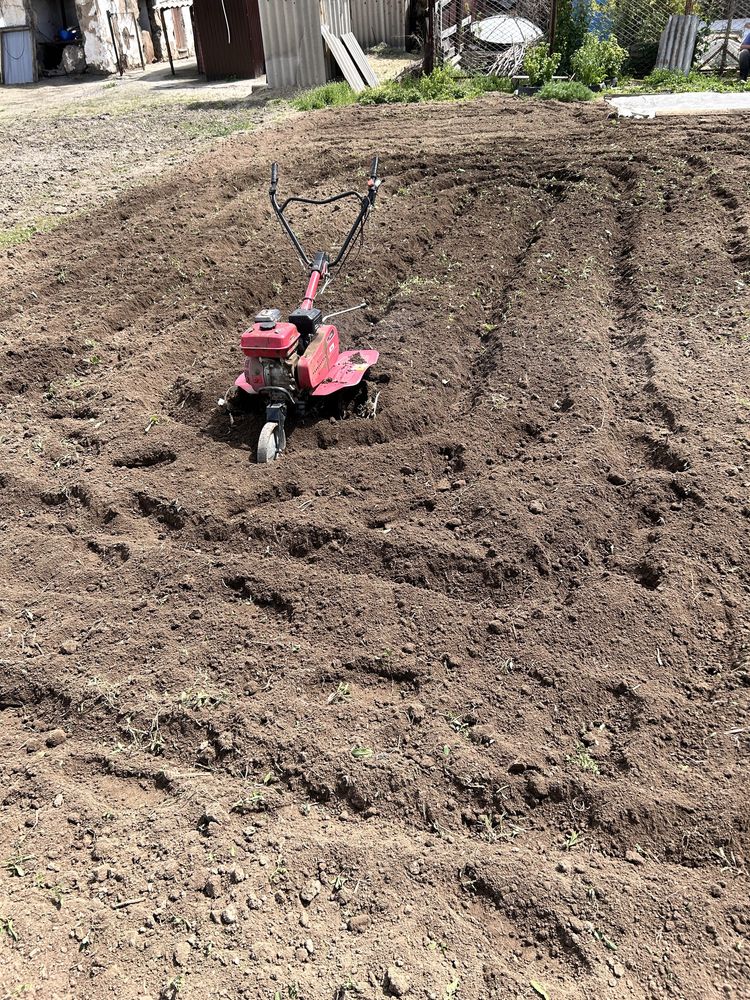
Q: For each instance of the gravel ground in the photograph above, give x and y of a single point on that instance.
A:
(69, 146)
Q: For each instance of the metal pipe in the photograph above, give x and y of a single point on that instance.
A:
(138, 39)
(114, 43)
(166, 39)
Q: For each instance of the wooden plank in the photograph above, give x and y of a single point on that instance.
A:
(454, 28)
(359, 59)
(342, 57)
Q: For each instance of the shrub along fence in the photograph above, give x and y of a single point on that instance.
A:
(494, 36)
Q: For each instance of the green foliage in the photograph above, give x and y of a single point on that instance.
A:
(614, 56)
(667, 81)
(328, 96)
(572, 24)
(565, 91)
(598, 60)
(540, 64)
(443, 84)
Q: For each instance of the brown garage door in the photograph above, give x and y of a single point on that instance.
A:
(229, 38)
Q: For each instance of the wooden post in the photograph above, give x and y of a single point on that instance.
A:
(428, 61)
(553, 24)
(138, 39)
(166, 39)
(725, 46)
(114, 43)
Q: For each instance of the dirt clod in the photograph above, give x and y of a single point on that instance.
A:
(359, 923)
(309, 892)
(181, 954)
(397, 983)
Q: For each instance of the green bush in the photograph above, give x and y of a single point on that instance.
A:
(597, 60)
(328, 96)
(443, 84)
(675, 82)
(540, 64)
(565, 91)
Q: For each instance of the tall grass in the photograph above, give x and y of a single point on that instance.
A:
(665, 80)
(332, 95)
(565, 90)
(442, 84)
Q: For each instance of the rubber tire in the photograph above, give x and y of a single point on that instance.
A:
(268, 443)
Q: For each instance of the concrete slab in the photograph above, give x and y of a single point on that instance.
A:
(701, 103)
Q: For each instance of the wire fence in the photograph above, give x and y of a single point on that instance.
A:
(489, 36)
(493, 36)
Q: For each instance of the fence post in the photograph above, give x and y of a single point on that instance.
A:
(725, 46)
(428, 61)
(553, 24)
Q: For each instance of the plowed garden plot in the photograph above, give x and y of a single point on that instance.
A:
(459, 692)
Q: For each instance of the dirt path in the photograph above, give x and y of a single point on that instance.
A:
(452, 703)
(64, 151)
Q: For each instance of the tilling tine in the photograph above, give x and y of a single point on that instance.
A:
(292, 364)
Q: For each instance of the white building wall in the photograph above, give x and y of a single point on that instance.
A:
(13, 14)
(187, 21)
(97, 41)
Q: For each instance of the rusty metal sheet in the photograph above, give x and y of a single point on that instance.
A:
(229, 38)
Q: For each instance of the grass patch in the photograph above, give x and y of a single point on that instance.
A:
(583, 759)
(565, 90)
(441, 85)
(331, 95)
(667, 81)
(23, 232)
(217, 128)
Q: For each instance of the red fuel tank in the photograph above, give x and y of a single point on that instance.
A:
(278, 342)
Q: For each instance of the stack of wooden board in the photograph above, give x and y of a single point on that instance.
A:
(350, 58)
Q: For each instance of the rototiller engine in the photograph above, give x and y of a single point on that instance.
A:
(292, 364)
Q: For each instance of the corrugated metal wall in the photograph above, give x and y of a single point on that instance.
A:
(293, 43)
(337, 15)
(230, 45)
(375, 21)
(17, 56)
(677, 43)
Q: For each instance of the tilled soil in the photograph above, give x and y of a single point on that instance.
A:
(70, 159)
(448, 703)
